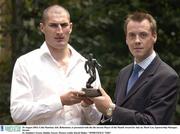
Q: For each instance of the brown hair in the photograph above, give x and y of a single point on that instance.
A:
(139, 17)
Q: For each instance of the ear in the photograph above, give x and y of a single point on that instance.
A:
(71, 26)
(155, 37)
(126, 40)
(41, 27)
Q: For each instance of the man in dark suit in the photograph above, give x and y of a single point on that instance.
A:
(151, 97)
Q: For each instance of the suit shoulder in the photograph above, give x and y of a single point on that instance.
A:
(165, 68)
(124, 69)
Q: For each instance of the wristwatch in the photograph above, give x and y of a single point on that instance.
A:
(110, 110)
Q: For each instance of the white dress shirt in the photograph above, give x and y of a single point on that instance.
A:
(146, 62)
(37, 84)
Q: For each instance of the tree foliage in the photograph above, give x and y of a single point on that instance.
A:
(97, 29)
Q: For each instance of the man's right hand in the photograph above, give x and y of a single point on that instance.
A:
(102, 102)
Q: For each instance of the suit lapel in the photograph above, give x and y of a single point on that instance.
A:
(144, 78)
(121, 84)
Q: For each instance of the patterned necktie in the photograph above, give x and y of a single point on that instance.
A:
(133, 78)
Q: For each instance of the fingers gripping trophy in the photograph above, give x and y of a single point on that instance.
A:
(90, 66)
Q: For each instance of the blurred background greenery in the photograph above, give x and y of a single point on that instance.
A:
(97, 29)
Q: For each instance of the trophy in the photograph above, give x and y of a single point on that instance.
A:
(90, 66)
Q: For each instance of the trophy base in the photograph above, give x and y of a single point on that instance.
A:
(91, 92)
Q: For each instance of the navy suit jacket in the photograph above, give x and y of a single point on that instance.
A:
(151, 100)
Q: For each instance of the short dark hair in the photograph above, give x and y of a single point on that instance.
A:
(139, 17)
(45, 12)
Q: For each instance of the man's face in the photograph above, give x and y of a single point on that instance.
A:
(57, 29)
(140, 39)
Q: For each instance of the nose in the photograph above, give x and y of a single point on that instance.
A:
(137, 39)
(59, 29)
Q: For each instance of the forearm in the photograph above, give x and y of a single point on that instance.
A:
(131, 117)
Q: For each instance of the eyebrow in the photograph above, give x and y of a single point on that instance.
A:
(56, 24)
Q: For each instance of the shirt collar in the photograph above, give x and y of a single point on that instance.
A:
(44, 49)
(145, 63)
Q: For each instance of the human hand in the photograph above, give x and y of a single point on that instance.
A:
(103, 102)
(72, 97)
(86, 102)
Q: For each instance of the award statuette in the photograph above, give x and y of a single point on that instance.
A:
(90, 66)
